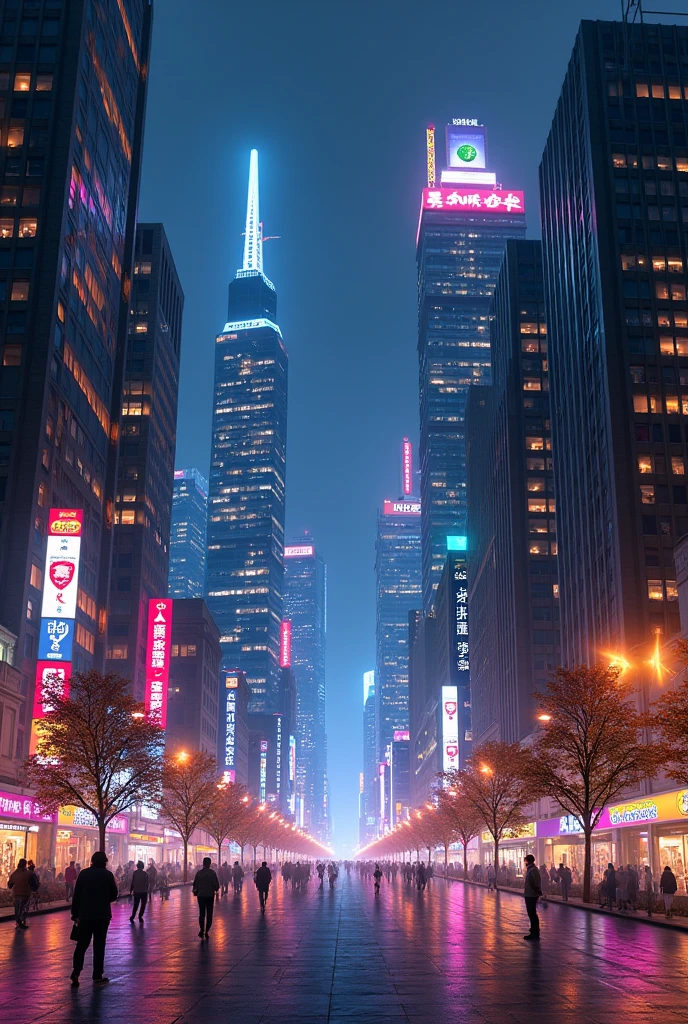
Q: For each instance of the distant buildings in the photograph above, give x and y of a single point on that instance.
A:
(195, 687)
(513, 582)
(369, 809)
(188, 538)
(143, 506)
(464, 223)
(247, 473)
(305, 614)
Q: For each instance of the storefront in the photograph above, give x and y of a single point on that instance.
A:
(146, 847)
(24, 832)
(77, 838)
(514, 846)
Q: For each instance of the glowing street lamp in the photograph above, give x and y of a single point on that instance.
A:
(544, 717)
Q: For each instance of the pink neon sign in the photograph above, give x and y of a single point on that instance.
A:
(484, 200)
(158, 658)
(285, 644)
(407, 466)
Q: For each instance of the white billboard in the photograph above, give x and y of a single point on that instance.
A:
(450, 728)
(61, 583)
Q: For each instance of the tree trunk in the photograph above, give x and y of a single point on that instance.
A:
(496, 862)
(465, 861)
(219, 855)
(446, 858)
(586, 866)
(101, 835)
(186, 866)
(241, 853)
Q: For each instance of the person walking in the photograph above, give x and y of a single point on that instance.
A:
(332, 874)
(565, 880)
(237, 876)
(152, 873)
(262, 878)
(70, 879)
(94, 891)
(421, 877)
(622, 888)
(610, 886)
(21, 883)
(139, 887)
(205, 885)
(668, 886)
(321, 874)
(491, 877)
(224, 873)
(649, 886)
(377, 875)
(532, 891)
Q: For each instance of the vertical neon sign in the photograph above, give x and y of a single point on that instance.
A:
(430, 146)
(285, 643)
(407, 466)
(158, 658)
(263, 769)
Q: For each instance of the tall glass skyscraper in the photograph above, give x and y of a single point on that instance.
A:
(464, 222)
(247, 473)
(188, 540)
(398, 578)
(305, 608)
(72, 101)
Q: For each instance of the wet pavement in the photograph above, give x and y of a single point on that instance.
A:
(452, 955)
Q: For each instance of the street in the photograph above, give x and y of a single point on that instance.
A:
(453, 955)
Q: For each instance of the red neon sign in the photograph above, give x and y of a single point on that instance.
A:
(285, 644)
(158, 658)
(478, 199)
(65, 522)
(407, 466)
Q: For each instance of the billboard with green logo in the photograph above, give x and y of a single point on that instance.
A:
(466, 147)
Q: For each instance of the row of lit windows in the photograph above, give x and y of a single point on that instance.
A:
(649, 495)
(542, 505)
(655, 464)
(542, 547)
(651, 163)
(183, 650)
(22, 82)
(658, 90)
(656, 590)
(27, 227)
(653, 403)
(636, 261)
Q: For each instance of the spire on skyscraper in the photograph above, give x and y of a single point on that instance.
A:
(253, 240)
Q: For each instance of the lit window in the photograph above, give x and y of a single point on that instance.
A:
(535, 444)
(678, 292)
(661, 289)
(27, 227)
(675, 92)
(22, 83)
(671, 402)
(6, 228)
(657, 91)
(11, 355)
(639, 403)
(42, 495)
(537, 505)
(529, 327)
(644, 464)
(537, 526)
(15, 138)
(682, 346)
(658, 263)
(677, 465)
(671, 590)
(119, 652)
(663, 163)
(647, 494)
(555, 590)
(127, 517)
(619, 159)
(141, 328)
(682, 164)
(536, 485)
(36, 576)
(655, 590)
(666, 345)
(641, 90)
(529, 344)
(551, 505)
(535, 464)
(675, 266)
(44, 83)
(655, 403)
(538, 547)
(532, 384)
(684, 405)
(20, 291)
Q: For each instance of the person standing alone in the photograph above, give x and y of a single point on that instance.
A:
(20, 882)
(94, 891)
(70, 879)
(532, 891)
(377, 875)
(263, 877)
(205, 885)
(139, 887)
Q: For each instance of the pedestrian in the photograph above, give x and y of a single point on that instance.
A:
(565, 880)
(139, 887)
(421, 876)
(332, 874)
(377, 875)
(491, 877)
(610, 886)
(205, 885)
(622, 888)
(94, 891)
(70, 879)
(152, 873)
(532, 891)
(668, 887)
(237, 876)
(632, 886)
(21, 883)
(224, 873)
(321, 874)
(262, 878)
(649, 886)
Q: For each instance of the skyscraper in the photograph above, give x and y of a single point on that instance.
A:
(247, 473)
(72, 91)
(464, 223)
(197, 684)
(398, 591)
(369, 810)
(188, 537)
(143, 506)
(305, 609)
(614, 210)
(513, 585)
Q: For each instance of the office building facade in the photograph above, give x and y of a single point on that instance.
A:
(614, 215)
(369, 810)
(464, 223)
(188, 536)
(247, 473)
(195, 679)
(513, 583)
(143, 505)
(70, 171)
(305, 611)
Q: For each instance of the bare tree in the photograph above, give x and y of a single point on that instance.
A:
(590, 750)
(224, 816)
(462, 816)
(189, 786)
(95, 749)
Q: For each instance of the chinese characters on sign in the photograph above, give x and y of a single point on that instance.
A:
(461, 613)
(285, 643)
(158, 658)
(407, 466)
(299, 551)
(401, 508)
(23, 807)
(231, 684)
(483, 200)
(263, 769)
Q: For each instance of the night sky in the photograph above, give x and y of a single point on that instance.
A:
(336, 98)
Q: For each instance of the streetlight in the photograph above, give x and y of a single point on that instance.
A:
(544, 717)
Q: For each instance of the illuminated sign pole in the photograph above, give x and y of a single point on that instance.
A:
(285, 643)
(58, 608)
(407, 467)
(158, 658)
(430, 145)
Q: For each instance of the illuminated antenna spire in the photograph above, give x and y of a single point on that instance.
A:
(253, 241)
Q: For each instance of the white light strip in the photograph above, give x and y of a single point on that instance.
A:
(469, 177)
(248, 325)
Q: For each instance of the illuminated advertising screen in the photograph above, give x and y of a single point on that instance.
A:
(401, 508)
(285, 643)
(475, 200)
(56, 639)
(231, 686)
(263, 769)
(401, 736)
(450, 728)
(45, 671)
(60, 585)
(466, 146)
(299, 551)
(407, 466)
(158, 658)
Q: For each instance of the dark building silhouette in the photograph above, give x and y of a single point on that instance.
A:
(145, 474)
(195, 687)
(425, 740)
(188, 537)
(614, 208)
(72, 98)
(513, 585)
(247, 473)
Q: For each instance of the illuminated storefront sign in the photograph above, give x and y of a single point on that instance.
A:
(466, 145)
(484, 200)
(450, 728)
(263, 769)
(56, 639)
(407, 466)
(79, 817)
(660, 807)
(158, 658)
(401, 508)
(25, 807)
(231, 686)
(299, 551)
(285, 643)
(48, 671)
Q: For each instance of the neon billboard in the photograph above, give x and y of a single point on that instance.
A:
(407, 466)
(401, 508)
(299, 551)
(285, 643)
(481, 200)
(466, 146)
(158, 658)
(450, 728)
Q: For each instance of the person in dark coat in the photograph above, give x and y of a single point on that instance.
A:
(94, 891)
(139, 887)
(532, 891)
(610, 886)
(224, 874)
(70, 879)
(205, 885)
(263, 877)
(668, 886)
(565, 879)
(22, 886)
(237, 876)
(632, 887)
